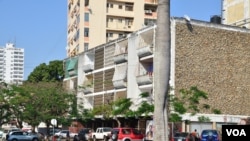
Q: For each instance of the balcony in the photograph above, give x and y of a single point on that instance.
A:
(121, 53)
(145, 79)
(154, 2)
(119, 84)
(88, 68)
(120, 58)
(72, 72)
(145, 51)
(88, 90)
(120, 76)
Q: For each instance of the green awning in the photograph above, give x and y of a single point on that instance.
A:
(72, 64)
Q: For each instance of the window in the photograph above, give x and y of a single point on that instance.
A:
(110, 5)
(120, 6)
(120, 20)
(111, 19)
(86, 17)
(129, 7)
(86, 32)
(86, 3)
(109, 35)
(86, 46)
(120, 35)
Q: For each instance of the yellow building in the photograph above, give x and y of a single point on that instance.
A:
(236, 12)
(94, 22)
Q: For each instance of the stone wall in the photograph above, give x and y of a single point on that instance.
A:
(216, 60)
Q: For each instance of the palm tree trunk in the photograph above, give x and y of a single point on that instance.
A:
(162, 71)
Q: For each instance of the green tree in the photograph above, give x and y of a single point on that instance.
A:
(41, 102)
(47, 73)
(5, 107)
(146, 108)
(188, 100)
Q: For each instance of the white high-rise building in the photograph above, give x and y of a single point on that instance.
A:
(11, 64)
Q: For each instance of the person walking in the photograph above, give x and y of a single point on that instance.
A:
(195, 134)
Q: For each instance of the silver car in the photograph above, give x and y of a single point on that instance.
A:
(23, 136)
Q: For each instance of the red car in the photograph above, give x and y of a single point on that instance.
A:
(126, 134)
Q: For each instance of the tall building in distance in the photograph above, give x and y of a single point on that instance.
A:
(95, 22)
(236, 13)
(11, 64)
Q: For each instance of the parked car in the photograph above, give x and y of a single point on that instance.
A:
(53, 131)
(181, 136)
(22, 136)
(126, 134)
(1, 133)
(7, 132)
(62, 133)
(102, 133)
(84, 134)
(210, 135)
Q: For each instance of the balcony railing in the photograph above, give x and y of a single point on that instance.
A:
(145, 51)
(118, 84)
(120, 58)
(88, 90)
(88, 67)
(145, 79)
(72, 72)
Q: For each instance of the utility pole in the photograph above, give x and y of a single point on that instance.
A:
(162, 71)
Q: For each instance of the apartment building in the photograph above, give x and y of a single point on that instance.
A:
(236, 12)
(211, 56)
(11, 64)
(95, 22)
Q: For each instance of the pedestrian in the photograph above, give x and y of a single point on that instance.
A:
(191, 137)
(67, 136)
(195, 135)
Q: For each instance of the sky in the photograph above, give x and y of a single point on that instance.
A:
(40, 26)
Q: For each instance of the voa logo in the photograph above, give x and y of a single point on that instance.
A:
(236, 132)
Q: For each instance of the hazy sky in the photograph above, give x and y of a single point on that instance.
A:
(40, 26)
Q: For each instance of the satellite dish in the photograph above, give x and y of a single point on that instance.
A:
(187, 18)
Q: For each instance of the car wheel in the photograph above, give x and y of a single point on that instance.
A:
(94, 139)
(14, 140)
(35, 139)
(105, 138)
(127, 140)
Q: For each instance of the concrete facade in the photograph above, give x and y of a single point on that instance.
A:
(236, 12)
(95, 22)
(213, 57)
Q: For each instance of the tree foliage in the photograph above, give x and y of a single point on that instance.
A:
(5, 107)
(34, 103)
(47, 73)
(188, 100)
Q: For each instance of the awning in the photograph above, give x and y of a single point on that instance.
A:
(72, 64)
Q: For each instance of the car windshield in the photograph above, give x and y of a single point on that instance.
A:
(181, 134)
(209, 132)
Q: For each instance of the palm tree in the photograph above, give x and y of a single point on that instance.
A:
(162, 71)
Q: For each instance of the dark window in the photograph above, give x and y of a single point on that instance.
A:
(86, 32)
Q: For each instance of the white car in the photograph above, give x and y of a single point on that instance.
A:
(62, 133)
